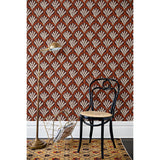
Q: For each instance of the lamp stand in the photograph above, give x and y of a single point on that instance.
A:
(37, 143)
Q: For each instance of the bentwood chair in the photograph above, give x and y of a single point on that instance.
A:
(111, 88)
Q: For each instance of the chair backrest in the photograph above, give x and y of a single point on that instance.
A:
(106, 85)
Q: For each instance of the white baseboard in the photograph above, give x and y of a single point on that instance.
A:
(121, 129)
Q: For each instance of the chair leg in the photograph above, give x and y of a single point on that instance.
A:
(81, 129)
(111, 133)
(102, 140)
(91, 131)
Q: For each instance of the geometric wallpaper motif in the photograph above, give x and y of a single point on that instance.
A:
(97, 41)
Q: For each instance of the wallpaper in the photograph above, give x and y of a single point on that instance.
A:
(97, 41)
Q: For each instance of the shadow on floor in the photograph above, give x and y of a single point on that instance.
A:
(128, 143)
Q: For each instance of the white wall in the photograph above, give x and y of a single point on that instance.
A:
(121, 129)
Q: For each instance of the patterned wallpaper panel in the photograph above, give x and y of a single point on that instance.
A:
(97, 40)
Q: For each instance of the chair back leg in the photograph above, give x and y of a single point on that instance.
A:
(111, 133)
(91, 131)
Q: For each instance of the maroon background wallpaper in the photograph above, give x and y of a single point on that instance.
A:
(97, 41)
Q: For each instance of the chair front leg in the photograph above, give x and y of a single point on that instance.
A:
(81, 129)
(111, 133)
(91, 131)
(102, 138)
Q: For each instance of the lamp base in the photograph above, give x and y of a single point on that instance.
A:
(37, 144)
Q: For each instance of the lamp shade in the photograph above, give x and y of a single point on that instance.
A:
(53, 47)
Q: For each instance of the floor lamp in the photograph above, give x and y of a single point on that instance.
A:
(37, 143)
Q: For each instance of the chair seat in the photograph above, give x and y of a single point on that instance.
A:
(95, 114)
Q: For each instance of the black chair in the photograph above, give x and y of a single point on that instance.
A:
(88, 117)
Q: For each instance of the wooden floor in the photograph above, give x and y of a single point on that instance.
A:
(128, 143)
